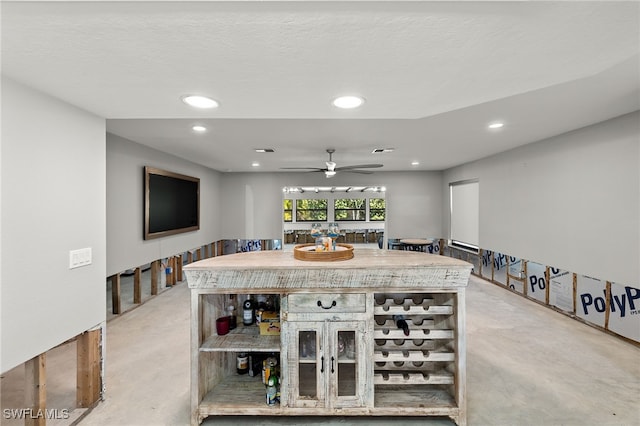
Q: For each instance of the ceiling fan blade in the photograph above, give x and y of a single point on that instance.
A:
(362, 172)
(311, 169)
(360, 166)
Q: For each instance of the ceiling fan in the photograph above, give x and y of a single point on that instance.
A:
(331, 169)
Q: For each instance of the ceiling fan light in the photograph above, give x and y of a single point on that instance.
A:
(329, 173)
(348, 102)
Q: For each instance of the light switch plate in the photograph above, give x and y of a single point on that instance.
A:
(80, 257)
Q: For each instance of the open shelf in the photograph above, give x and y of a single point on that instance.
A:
(242, 339)
(413, 397)
(238, 395)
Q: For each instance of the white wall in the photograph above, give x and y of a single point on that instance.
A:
(53, 201)
(126, 247)
(253, 201)
(571, 201)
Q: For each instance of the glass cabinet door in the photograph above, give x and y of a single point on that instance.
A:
(347, 365)
(327, 365)
(306, 384)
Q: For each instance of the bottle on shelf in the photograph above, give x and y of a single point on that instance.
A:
(269, 368)
(272, 390)
(233, 321)
(248, 314)
(242, 363)
(251, 371)
(401, 323)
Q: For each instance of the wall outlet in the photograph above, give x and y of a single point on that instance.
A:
(80, 257)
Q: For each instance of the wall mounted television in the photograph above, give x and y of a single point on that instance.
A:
(171, 203)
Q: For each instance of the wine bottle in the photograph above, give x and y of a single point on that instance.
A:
(248, 314)
(401, 323)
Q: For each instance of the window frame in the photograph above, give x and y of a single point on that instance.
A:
(383, 210)
(286, 210)
(314, 219)
(362, 209)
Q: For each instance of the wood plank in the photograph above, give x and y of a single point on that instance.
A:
(413, 310)
(238, 395)
(178, 261)
(420, 344)
(137, 288)
(35, 391)
(390, 323)
(155, 266)
(116, 301)
(413, 334)
(411, 356)
(174, 270)
(242, 339)
(387, 270)
(413, 398)
(88, 377)
(442, 378)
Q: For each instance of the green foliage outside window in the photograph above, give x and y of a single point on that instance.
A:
(350, 209)
(311, 210)
(287, 210)
(377, 209)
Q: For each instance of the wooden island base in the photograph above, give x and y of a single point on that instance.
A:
(381, 334)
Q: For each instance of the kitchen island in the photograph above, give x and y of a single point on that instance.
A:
(381, 334)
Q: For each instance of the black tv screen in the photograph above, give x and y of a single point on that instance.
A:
(171, 203)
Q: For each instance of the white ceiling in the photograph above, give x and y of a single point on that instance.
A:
(434, 74)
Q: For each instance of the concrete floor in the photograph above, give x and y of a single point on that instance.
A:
(526, 365)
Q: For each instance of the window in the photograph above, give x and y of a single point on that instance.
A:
(349, 209)
(311, 210)
(376, 209)
(287, 210)
(464, 198)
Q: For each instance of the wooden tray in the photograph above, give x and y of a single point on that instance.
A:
(308, 252)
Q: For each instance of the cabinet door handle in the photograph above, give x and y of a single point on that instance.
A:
(322, 365)
(324, 307)
(332, 359)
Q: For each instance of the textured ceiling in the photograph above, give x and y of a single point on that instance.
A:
(433, 74)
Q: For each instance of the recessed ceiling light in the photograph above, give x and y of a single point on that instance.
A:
(255, 164)
(198, 128)
(348, 102)
(198, 101)
(415, 163)
(496, 125)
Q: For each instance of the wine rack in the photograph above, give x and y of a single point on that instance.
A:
(425, 359)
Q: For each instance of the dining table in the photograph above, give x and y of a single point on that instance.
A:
(416, 244)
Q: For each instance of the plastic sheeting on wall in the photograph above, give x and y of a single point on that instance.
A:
(624, 311)
(591, 299)
(561, 289)
(536, 281)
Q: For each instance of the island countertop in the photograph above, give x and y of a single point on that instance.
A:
(368, 269)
